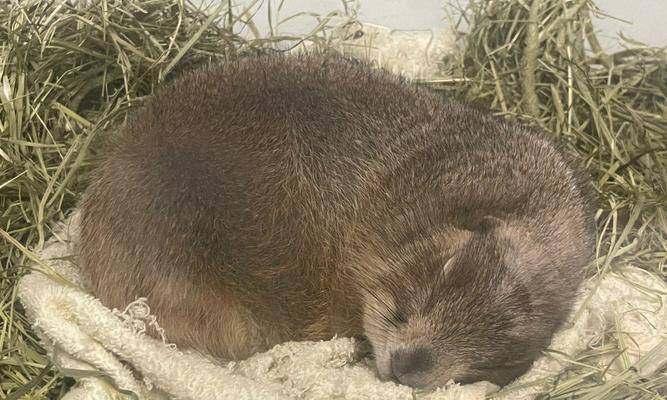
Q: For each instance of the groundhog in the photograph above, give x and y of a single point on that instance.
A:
(281, 198)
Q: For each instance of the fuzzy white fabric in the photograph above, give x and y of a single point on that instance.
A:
(111, 357)
(416, 54)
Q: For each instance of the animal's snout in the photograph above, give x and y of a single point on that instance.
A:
(411, 366)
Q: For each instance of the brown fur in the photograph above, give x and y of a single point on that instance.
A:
(295, 198)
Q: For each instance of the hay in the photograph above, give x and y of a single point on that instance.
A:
(70, 69)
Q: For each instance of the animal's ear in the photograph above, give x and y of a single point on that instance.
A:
(491, 223)
(517, 252)
(452, 240)
(508, 238)
(520, 247)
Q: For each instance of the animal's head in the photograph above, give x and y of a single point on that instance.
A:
(462, 314)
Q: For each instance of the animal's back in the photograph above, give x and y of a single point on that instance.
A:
(235, 199)
(239, 182)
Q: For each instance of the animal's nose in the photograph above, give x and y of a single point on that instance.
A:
(410, 366)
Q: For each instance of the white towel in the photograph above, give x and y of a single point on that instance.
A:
(111, 357)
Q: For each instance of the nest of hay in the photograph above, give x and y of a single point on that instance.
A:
(69, 70)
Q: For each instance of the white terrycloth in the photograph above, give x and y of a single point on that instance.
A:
(110, 356)
(415, 54)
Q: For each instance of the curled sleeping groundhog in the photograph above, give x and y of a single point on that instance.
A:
(302, 197)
